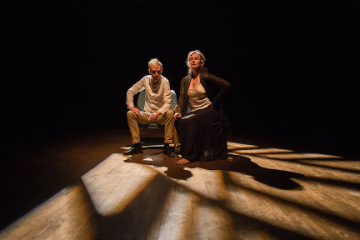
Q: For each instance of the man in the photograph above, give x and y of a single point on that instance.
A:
(157, 107)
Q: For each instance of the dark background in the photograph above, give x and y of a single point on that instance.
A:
(292, 66)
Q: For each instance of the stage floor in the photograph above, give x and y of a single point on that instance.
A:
(83, 187)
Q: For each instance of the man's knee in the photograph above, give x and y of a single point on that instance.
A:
(130, 114)
(170, 114)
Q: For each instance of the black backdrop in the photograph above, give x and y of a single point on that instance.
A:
(292, 65)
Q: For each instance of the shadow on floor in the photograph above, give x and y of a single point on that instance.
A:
(275, 178)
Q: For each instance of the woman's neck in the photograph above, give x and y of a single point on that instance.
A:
(196, 72)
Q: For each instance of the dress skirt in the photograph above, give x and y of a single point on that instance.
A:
(202, 135)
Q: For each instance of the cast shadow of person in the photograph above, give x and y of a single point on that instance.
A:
(157, 159)
(275, 178)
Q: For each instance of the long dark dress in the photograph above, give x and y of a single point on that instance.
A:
(203, 132)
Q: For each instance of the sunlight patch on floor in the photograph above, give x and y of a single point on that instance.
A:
(113, 190)
(299, 156)
(294, 211)
(210, 202)
(262, 150)
(234, 145)
(67, 212)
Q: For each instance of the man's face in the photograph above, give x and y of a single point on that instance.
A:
(155, 71)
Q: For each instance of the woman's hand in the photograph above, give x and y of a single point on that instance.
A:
(214, 107)
(177, 116)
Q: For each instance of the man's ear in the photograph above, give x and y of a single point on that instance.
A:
(162, 70)
(149, 71)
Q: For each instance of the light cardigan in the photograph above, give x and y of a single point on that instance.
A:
(158, 96)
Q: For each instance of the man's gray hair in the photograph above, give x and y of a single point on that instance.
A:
(155, 61)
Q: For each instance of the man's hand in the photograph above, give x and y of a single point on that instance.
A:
(177, 115)
(153, 116)
(135, 110)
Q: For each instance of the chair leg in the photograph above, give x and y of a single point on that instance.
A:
(176, 136)
(176, 140)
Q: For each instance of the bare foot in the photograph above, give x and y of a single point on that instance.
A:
(182, 161)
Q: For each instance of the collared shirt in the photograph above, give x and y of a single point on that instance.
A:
(158, 96)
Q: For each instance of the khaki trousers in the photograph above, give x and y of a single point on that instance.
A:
(167, 119)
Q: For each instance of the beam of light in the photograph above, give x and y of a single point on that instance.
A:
(205, 189)
(341, 165)
(185, 213)
(322, 186)
(65, 214)
(286, 210)
(199, 184)
(201, 181)
(313, 171)
(339, 195)
(217, 218)
(206, 183)
(262, 150)
(177, 218)
(234, 145)
(203, 200)
(299, 156)
(117, 184)
(211, 212)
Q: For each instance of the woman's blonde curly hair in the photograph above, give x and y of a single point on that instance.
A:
(202, 61)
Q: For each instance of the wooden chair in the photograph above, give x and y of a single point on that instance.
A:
(140, 104)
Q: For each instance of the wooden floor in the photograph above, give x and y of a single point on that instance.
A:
(85, 188)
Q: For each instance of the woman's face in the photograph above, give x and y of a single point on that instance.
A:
(195, 61)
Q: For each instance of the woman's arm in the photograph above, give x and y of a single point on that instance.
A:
(181, 103)
(219, 83)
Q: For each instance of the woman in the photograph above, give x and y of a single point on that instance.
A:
(202, 131)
